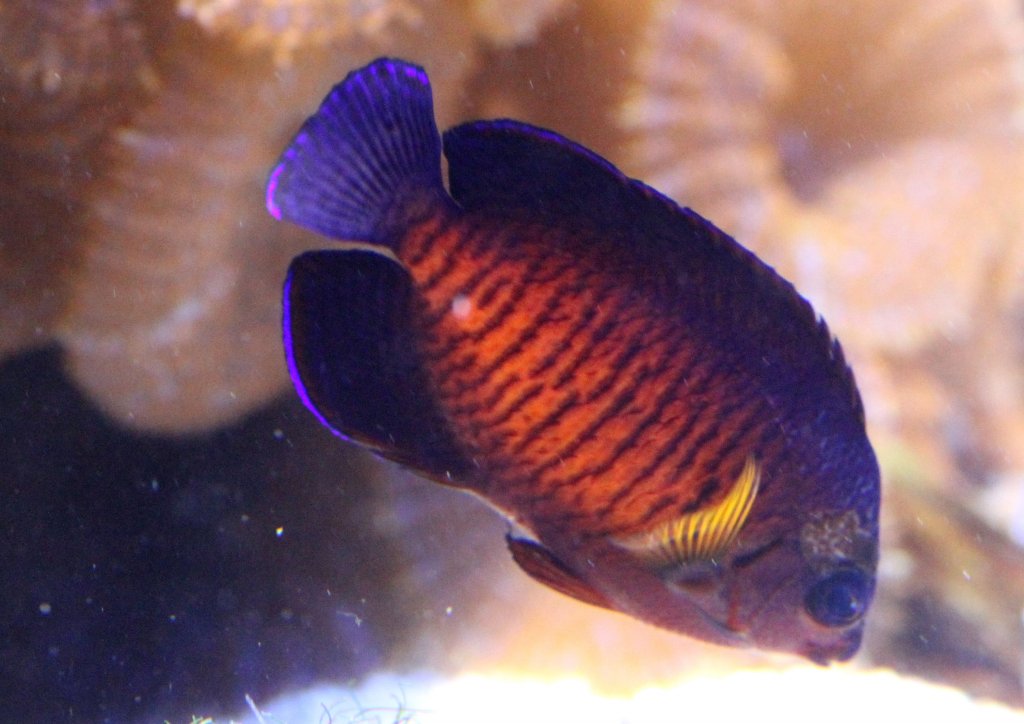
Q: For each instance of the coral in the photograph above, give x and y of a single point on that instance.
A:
(952, 586)
(901, 247)
(134, 230)
(570, 75)
(506, 24)
(64, 63)
(890, 125)
(172, 321)
(68, 71)
(173, 304)
(286, 25)
(140, 136)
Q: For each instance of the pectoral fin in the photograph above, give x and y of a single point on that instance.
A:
(703, 535)
(542, 565)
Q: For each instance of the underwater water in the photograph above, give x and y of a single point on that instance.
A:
(180, 533)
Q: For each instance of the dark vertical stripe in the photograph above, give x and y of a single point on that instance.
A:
(536, 276)
(447, 368)
(425, 238)
(713, 431)
(581, 325)
(736, 432)
(523, 441)
(597, 422)
(571, 399)
(501, 282)
(669, 497)
(512, 349)
(620, 316)
(669, 394)
(671, 445)
(467, 241)
(588, 433)
(467, 400)
(527, 279)
(530, 281)
(528, 394)
(619, 367)
(654, 510)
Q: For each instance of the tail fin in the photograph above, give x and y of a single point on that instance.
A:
(372, 139)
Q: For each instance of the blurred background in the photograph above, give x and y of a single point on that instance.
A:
(177, 531)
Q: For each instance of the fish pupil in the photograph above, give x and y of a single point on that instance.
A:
(838, 600)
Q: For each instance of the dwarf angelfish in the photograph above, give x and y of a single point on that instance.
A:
(672, 431)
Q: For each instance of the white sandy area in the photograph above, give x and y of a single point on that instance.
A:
(791, 695)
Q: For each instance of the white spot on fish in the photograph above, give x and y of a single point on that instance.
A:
(461, 306)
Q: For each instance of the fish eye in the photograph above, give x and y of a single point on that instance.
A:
(838, 600)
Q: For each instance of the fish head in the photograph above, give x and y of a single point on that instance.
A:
(786, 578)
(805, 594)
(803, 591)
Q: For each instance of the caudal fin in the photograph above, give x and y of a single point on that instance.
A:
(372, 140)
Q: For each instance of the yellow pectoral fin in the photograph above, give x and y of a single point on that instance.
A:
(702, 535)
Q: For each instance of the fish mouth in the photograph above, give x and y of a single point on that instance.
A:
(841, 649)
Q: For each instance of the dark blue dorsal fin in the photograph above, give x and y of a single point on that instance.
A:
(354, 363)
(510, 164)
(372, 140)
(515, 169)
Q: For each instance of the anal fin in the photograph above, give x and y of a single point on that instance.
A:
(542, 565)
(353, 360)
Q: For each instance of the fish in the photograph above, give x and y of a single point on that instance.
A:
(670, 429)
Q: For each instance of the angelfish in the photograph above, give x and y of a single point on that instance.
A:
(670, 428)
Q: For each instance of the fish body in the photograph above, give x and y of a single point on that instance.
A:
(670, 428)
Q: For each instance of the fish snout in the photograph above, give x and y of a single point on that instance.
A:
(840, 649)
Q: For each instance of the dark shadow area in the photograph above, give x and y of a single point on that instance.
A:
(148, 576)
